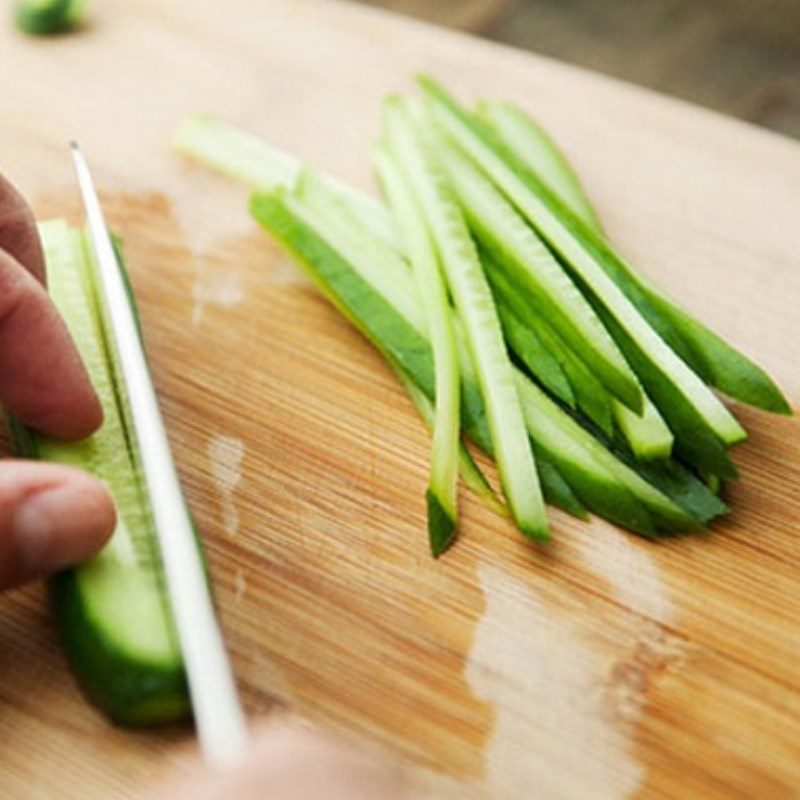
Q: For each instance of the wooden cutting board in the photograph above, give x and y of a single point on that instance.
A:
(600, 666)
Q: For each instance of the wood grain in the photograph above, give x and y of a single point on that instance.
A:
(602, 666)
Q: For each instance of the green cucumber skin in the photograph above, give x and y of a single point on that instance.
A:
(132, 693)
(129, 691)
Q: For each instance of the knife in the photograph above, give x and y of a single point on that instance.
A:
(216, 707)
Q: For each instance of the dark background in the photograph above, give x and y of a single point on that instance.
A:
(741, 57)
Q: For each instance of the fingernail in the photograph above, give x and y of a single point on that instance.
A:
(61, 526)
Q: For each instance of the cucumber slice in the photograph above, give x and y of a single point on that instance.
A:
(580, 249)
(533, 270)
(112, 612)
(250, 160)
(473, 300)
(522, 135)
(48, 17)
(360, 302)
(442, 497)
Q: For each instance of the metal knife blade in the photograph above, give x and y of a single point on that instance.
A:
(218, 714)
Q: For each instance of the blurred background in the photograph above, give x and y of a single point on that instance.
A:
(741, 57)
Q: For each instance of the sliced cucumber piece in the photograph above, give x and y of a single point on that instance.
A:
(48, 17)
(250, 160)
(551, 425)
(516, 249)
(579, 249)
(475, 306)
(112, 612)
(431, 288)
(717, 363)
(521, 134)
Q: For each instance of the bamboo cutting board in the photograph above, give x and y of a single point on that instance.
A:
(601, 666)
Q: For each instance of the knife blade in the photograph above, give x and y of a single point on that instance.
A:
(218, 714)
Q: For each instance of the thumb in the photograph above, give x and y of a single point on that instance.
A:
(51, 517)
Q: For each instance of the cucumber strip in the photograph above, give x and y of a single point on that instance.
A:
(533, 146)
(695, 442)
(647, 434)
(48, 17)
(473, 300)
(554, 426)
(517, 250)
(112, 612)
(442, 493)
(719, 363)
(250, 160)
(555, 488)
(714, 360)
(376, 261)
(568, 237)
(533, 353)
(470, 471)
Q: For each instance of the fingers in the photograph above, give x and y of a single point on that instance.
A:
(288, 761)
(18, 234)
(51, 517)
(42, 379)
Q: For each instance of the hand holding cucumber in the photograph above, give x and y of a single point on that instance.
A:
(50, 516)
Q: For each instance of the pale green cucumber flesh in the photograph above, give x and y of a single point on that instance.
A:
(442, 492)
(533, 146)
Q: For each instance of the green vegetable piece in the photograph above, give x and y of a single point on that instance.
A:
(112, 612)
(583, 252)
(251, 161)
(48, 17)
(475, 306)
(531, 144)
(431, 288)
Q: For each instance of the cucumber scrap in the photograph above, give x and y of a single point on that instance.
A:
(48, 17)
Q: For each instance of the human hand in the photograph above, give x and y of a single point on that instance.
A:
(50, 516)
(288, 761)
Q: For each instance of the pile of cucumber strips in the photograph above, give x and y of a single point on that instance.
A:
(488, 284)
